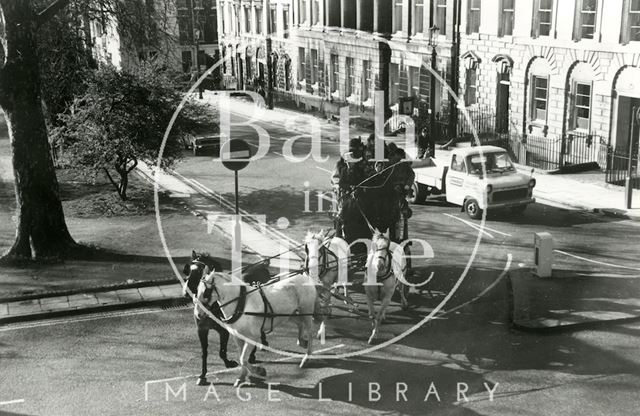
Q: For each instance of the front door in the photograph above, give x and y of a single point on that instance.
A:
(240, 73)
(624, 134)
(502, 102)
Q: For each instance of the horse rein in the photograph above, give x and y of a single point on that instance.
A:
(323, 263)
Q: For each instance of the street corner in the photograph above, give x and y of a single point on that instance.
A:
(566, 299)
(625, 214)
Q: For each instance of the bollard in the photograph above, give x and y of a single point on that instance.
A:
(543, 255)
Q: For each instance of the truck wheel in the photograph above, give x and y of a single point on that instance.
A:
(419, 193)
(472, 208)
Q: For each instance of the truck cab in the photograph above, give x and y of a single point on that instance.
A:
(475, 178)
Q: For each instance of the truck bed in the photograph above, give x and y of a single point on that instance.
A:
(429, 171)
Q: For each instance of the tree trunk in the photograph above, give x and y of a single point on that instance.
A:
(41, 231)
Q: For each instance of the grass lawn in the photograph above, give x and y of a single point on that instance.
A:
(95, 216)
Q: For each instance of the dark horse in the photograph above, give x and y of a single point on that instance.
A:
(194, 271)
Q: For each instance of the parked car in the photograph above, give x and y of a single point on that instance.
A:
(464, 181)
(205, 144)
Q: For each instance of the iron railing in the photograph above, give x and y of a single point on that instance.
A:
(583, 147)
(482, 119)
(617, 168)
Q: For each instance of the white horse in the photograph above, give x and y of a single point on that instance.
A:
(326, 260)
(249, 310)
(386, 266)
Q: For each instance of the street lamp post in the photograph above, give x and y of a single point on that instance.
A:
(434, 31)
(196, 34)
(196, 41)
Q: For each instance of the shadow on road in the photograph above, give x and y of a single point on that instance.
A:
(392, 377)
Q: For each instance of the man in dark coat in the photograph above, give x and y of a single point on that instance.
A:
(350, 171)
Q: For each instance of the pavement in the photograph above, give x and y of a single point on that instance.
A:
(570, 301)
(558, 302)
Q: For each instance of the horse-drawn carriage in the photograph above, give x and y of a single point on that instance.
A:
(356, 252)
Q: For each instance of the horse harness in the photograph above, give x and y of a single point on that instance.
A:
(241, 301)
(323, 261)
(388, 259)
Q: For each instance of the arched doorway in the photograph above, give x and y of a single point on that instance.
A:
(626, 97)
(275, 71)
(287, 72)
(504, 64)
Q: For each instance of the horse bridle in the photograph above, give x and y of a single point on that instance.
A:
(386, 258)
(322, 257)
(208, 287)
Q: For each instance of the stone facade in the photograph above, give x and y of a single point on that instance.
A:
(369, 38)
(572, 70)
(582, 73)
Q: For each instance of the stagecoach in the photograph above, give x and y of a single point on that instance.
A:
(367, 210)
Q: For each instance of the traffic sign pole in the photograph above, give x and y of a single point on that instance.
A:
(237, 203)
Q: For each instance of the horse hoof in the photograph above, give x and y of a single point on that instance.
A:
(230, 363)
(303, 343)
(202, 381)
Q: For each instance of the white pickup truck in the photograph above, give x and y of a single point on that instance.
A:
(476, 178)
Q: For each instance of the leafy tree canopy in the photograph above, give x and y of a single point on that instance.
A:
(122, 119)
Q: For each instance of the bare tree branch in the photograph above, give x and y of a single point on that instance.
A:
(51, 10)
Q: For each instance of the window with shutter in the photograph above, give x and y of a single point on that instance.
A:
(473, 17)
(507, 11)
(418, 17)
(397, 16)
(350, 77)
(581, 106)
(539, 99)
(441, 16)
(470, 93)
(630, 30)
(585, 19)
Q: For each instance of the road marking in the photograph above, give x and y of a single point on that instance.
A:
(226, 370)
(596, 262)
(475, 227)
(324, 170)
(257, 147)
(498, 232)
(86, 318)
(12, 402)
(231, 206)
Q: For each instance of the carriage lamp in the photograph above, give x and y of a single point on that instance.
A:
(434, 32)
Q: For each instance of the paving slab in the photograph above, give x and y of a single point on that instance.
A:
(129, 295)
(107, 298)
(172, 291)
(83, 299)
(56, 306)
(151, 292)
(54, 299)
(24, 308)
(4, 309)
